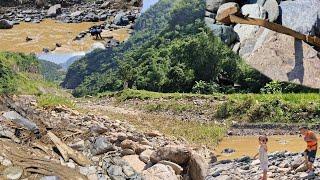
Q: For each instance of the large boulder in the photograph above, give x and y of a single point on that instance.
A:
(121, 19)
(5, 24)
(246, 31)
(55, 10)
(272, 8)
(227, 9)
(283, 58)
(225, 33)
(176, 154)
(302, 16)
(198, 167)
(213, 5)
(159, 172)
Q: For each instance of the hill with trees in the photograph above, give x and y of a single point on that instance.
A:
(171, 50)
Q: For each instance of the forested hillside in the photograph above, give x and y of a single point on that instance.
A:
(25, 74)
(171, 51)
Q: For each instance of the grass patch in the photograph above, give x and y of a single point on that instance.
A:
(277, 108)
(49, 101)
(174, 106)
(208, 134)
(145, 95)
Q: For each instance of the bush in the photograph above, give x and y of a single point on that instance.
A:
(202, 87)
(49, 101)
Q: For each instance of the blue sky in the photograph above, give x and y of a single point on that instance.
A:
(148, 3)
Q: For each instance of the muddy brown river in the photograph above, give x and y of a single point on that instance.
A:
(49, 32)
(248, 145)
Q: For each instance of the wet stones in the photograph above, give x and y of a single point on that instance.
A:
(5, 24)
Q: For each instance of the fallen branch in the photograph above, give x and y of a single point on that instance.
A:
(25, 158)
(67, 152)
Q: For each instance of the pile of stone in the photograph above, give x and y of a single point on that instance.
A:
(85, 12)
(276, 55)
(86, 146)
(282, 165)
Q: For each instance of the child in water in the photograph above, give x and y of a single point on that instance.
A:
(263, 156)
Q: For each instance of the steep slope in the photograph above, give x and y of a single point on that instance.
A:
(172, 50)
(51, 71)
(21, 74)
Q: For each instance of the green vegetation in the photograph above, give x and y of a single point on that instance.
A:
(279, 108)
(171, 50)
(128, 94)
(21, 74)
(256, 108)
(48, 101)
(197, 133)
(17, 73)
(52, 72)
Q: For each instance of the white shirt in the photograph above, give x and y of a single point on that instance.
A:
(263, 155)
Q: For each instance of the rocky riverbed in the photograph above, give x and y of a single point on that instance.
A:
(61, 142)
(282, 165)
(115, 18)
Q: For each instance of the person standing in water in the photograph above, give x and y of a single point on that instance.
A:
(312, 145)
(263, 155)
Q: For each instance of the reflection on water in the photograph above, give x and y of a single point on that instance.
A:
(248, 145)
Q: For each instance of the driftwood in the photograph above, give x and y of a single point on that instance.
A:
(275, 27)
(25, 158)
(233, 15)
(67, 152)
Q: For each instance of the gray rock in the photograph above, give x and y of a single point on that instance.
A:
(114, 170)
(27, 19)
(54, 10)
(50, 178)
(272, 8)
(76, 13)
(121, 19)
(213, 5)
(5, 24)
(101, 145)
(209, 21)
(225, 33)
(302, 16)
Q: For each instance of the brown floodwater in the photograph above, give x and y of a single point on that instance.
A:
(248, 145)
(49, 32)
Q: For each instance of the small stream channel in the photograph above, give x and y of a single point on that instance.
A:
(248, 145)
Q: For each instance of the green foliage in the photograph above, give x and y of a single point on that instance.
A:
(51, 71)
(13, 67)
(170, 51)
(203, 87)
(284, 87)
(49, 101)
(280, 108)
(20, 74)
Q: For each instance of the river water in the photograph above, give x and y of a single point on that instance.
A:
(248, 145)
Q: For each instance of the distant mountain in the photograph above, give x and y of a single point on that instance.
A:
(52, 71)
(70, 61)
